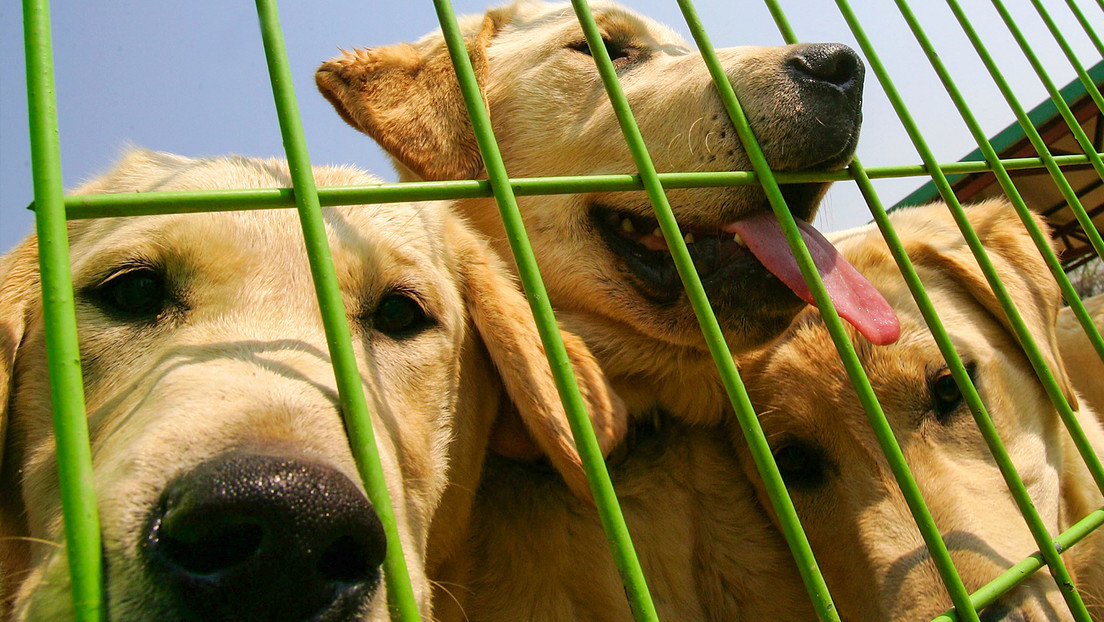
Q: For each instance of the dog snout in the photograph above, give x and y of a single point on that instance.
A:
(831, 64)
(258, 537)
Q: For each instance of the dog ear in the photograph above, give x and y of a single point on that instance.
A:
(1021, 268)
(406, 97)
(18, 276)
(533, 423)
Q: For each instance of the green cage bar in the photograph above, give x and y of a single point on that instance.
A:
(613, 522)
(74, 454)
(81, 523)
(1081, 19)
(354, 407)
(1082, 75)
(1087, 453)
(1055, 95)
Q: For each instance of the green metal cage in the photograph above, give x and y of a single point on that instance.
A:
(53, 209)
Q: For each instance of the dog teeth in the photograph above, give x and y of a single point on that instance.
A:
(739, 240)
(688, 238)
(658, 232)
(627, 226)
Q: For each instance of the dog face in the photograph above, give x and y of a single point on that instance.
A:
(225, 482)
(607, 268)
(861, 530)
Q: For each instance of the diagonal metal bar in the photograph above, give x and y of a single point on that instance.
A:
(354, 406)
(74, 455)
(613, 522)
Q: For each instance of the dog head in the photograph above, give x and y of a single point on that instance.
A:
(225, 481)
(601, 254)
(857, 520)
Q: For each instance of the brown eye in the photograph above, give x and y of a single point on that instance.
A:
(139, 293)
(801, 465)
(946, 397)
(615, 49)
(400, 315)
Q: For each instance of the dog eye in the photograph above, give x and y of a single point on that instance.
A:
(615, 50)
(400, 315)
(801, 465)
(945, 394)
(135, 293)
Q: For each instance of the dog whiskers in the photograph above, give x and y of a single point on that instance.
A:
(459, 605)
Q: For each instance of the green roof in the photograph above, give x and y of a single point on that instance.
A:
(1010, 135)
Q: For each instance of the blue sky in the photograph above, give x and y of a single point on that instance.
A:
(189, 77)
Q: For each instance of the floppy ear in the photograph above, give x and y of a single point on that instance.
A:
(407, 98)
(18, 278)
(1021, 268)
(18, 275)
(533, 422)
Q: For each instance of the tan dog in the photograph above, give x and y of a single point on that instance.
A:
(862, 532)
(708, 550)
(225, 482)
(609, 273)
(1085, 368)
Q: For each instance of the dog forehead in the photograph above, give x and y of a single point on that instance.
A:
(557, 18)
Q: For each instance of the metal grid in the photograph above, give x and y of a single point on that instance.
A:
(53, 209)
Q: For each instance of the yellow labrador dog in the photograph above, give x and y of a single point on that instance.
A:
(225, 482)
(1085, 368)
(862, 532)
(709, 551)
(608, 270)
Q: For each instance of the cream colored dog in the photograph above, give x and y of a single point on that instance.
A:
(609, 273)
(1086, 370)
(225, 481)
(859, 526)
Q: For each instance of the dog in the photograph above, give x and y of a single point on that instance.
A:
(707, 548)
(873, 558)
(224, 478)
(1085, 368)
(609, 274)
(710, 552)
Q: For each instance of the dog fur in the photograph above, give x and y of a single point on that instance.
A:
(551, 116)
(234, 359)
(857, 521)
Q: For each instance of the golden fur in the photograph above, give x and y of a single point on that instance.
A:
(238, 361)
(858, 524)
(1085, 368)
(551, 116)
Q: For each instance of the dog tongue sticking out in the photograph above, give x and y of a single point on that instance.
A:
(854, 297)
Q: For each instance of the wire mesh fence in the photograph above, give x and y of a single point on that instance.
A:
(53, 209)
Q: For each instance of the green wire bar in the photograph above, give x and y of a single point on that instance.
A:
(1056, 174)
(749, 423)
(985, 425)
(354, 407)
(1044, 77)
(145, 203)
(1017, 573)
(1082, 75)
(937, 548)
(74, 457)
(1030, 131)
(1074, 427)
(609, 511)
(1081, 19)
(74, 454)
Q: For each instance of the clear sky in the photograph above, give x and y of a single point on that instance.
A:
(190, 78)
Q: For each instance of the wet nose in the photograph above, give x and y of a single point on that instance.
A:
(831, 64)
(258, 537)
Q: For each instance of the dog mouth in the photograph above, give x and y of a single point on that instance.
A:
(746, 266)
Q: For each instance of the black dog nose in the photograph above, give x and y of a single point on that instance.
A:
(258, 537)
(833, 64)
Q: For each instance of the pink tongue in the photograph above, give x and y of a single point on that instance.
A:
(854, 297)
